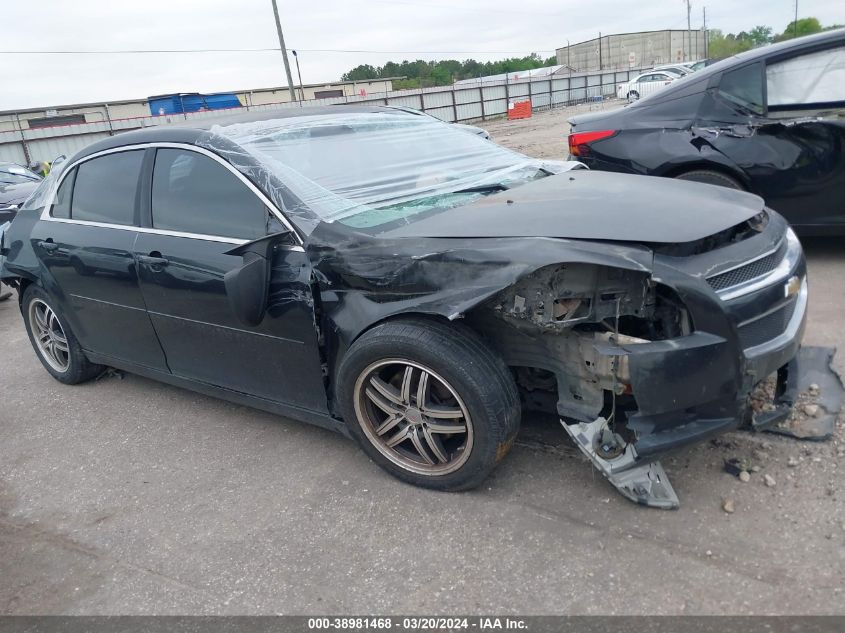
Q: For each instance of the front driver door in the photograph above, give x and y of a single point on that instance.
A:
(198, 209)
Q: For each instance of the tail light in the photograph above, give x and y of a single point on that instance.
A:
(579, 143)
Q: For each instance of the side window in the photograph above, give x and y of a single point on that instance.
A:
(106, 188)
(744, 86)
(807, 80)
(194, 194)
(61, 205)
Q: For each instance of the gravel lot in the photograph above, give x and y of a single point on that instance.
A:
(125, 496)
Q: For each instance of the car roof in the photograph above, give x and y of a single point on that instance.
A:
(762, 52)
(190, 131)
(655, 71)
(693, 82)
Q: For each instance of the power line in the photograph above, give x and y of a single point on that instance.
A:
(260, 50)
(451, 7)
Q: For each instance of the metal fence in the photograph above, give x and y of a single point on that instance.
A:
(466, 102)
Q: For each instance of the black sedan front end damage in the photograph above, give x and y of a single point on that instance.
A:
(643, 364)
(640, 311)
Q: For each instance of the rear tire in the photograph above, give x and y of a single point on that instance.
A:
(633, 95)
(447, 434)
(710, 177)
(53, 341)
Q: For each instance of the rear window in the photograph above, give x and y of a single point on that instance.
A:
(61, 205)
(744, 87)
(807, 80)
(106, 188)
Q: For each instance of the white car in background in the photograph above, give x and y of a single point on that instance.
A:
(645, 84)
(679, 69)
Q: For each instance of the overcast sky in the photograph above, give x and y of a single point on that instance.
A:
(482, 29)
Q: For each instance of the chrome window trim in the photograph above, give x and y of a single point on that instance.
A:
(48, 205)
(781, 271)
(143, 229)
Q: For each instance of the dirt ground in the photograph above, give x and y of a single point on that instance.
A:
(544, 134)
(126, 496)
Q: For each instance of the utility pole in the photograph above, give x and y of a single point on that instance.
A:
(299, 73)
(689, 33)
(706, 37)
(795, 24)
(284, 51)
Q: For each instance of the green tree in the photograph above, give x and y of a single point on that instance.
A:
(360, 73)
(804, 26)
(722, 45)
(760, 35)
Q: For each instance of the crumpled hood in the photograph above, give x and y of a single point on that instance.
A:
(594, 205)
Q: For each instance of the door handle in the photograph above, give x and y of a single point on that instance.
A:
(49, 245)
(153, 259)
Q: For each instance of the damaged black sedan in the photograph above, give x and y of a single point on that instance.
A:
(413, 286)
(768, 121)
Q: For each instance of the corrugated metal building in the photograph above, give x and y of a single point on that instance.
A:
(43, 133)
(635, 50)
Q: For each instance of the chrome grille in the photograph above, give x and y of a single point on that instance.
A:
(749, 271)
(768, 327)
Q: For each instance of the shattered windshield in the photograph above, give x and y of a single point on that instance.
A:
(368, 169)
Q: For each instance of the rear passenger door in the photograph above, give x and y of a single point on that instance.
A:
(782, 126)
(197, 209)
(86, 243)
(805, 103)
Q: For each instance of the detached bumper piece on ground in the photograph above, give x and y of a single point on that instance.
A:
(806, 400)
(643, 483)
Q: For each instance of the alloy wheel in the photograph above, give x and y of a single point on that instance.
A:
(413, 416)
(50, 337)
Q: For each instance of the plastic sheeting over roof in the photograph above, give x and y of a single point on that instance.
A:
(367, 169)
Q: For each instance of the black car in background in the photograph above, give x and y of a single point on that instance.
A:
(770, 121)
(16, 185)
(411, 285)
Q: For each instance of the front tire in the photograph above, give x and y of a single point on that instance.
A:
(429, 402)
(53, 341)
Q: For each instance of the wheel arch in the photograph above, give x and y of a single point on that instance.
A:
(673, 171)
(21, 283)
(335, 360)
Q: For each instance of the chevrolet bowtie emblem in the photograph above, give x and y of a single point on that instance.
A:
(792, 286)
